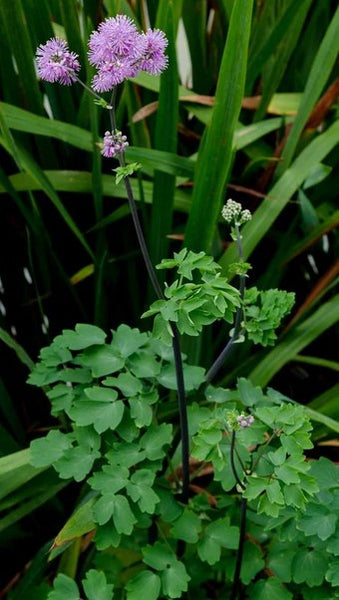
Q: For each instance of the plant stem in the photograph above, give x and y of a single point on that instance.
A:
(234, 470)
(236, 579)
(175, 340)
(182, 415)
(237, 322)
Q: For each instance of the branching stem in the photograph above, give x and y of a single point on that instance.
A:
(176, 339)
(216, 366)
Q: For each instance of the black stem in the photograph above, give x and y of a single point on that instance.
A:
(236, 580)
(234, 470)
(182, 415)
(216, 366)
(176, 339)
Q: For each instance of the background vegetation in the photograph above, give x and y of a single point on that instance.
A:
(258, 126)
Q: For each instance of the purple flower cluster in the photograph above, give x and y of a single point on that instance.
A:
(116, 49)
(119, 51)
(56, 63)
(244, 421)
(114, 143)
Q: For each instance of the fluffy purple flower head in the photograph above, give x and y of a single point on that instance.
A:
(56, 63)
(154, 59)
(116, 39)
(114, 143)
(119, 52)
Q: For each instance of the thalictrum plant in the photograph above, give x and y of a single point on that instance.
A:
(141, 460)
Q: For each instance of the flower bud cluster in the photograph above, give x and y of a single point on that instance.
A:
(244, 421)
(232, 213)
(114, 143)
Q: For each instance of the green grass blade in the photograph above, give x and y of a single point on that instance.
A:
(327, 402)
(81, 182)
(275, 69)
(282, 192)
(317, 416)
(298, 338)
(215, 153)
(166, 121)
(319, 74)
(12, 15)
(19, 350)
(28, 164)
(317, 361)
(23, 120)
(195, 19)
(15, 470)
(25, 508)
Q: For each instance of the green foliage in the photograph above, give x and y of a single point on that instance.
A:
(263, 313)
(191, 306)
(125, 171)
(95, 587)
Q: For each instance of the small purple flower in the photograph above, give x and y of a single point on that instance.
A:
(244, 421)
(154, 60)
(56, 63)
(114, 143)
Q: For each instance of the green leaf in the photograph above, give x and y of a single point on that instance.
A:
(154, 440)
(78, 524)
(332, 574)
(217, 535)
(141, 412)
(129, 385)
(128, 340)
(102, 410)
(106, 536)
(326, 473)
(140, 490)
(187, 527)
(318, 521)
(252, 563)
(46, 451)
(83, 337)
(175, 580)
(309, 566)
(96, 586)
(158, 556)
(270, 589)
(102, 360)
(193, 377)
(254, 487)
(144, 364)
(77, 461)
(280, 557)
(64, 587)
(110, 479)
(117, 507)
(126, 171)
(144, 586)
